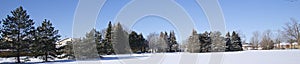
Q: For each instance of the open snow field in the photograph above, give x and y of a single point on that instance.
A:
(242, 57)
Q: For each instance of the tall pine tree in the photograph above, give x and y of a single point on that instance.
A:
(108, 40)
(142, 43)
(173, 46)
(98, 41)
(133, 41)
(120, 40)
(228, 41)
(236, 43)
(47, 41)
(16, 29)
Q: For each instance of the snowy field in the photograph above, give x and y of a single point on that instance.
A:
(242, 57)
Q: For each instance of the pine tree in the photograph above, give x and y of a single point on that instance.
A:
(120, 40)
(68, 50)
(137, 42)
(162, 43)
(65, 50)
(3, 45)
(205, 41)
(133, 41)
(228, 41)
(173, 46)
(16, 29)
(236, 43)
(167, 39)
(98, 41)
(193, 42)
(142, 43)
(47, 41)
(108, 40)
(85, 48)
(218, 43)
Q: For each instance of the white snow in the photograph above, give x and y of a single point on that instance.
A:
(241, 57)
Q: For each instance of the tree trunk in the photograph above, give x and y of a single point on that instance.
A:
(18, 56)
(46, 57)
(18, 47)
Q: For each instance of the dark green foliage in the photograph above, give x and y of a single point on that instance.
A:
(234, 43)
(108, 47)
(214, 42)
(137, 42)
(46, 38)
(98, 41)
(133, 41)
(16, 31)
(205, 42)
(143, 43)
(66, 51)
(172, 43)
(228, 41)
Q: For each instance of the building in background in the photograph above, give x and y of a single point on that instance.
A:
(286, 45)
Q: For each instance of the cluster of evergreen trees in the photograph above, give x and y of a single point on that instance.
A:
(137, 42)
(213, 42)
(116, 39)
(163, 42)
(22, 38)
(172, 45)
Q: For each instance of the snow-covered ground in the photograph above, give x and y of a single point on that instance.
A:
(242, 57)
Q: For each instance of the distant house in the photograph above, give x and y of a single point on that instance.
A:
(286, 45)
(248, 46)
(63, 42)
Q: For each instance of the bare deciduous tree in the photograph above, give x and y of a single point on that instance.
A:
(255, 39)
(292, 31)
(156, 43)
(267, 42)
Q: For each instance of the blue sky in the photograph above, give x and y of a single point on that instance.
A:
(245, 16)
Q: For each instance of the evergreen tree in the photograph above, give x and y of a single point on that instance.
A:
(108, 40)
(85, 48)
(173, 46)
(65, 50)
(98, 41)
(143, 43)
(120, 40)
(236, 43)
(133, 41)
(16, 29)
(193, 42)
(167, 39)
(205, 41)
(47, 41)
(218, 42)
(3, 45)
(68, 50)
(162, 43)
(228, 41)
(137, 42)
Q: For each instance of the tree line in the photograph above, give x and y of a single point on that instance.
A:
(290, 33)
(116, 40)
(22, 38)
(213, 42)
